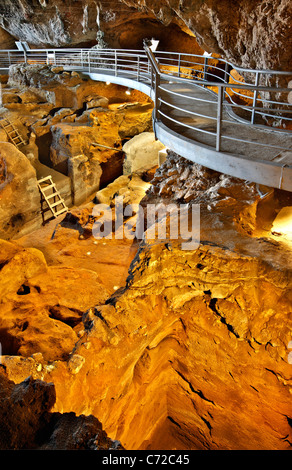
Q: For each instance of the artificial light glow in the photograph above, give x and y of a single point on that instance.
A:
(282, 224)
(108, 83)
(154, 44)
(128, 92)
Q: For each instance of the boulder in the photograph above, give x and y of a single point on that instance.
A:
(19, 193)
(141, 153)
(131, 187)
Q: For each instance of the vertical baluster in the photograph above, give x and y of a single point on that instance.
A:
(138, 69)
(219, 118)
(156, 101)
(255, 97)
(205, 68)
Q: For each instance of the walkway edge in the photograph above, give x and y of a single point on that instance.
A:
(233, 165)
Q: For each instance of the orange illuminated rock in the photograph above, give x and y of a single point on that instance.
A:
(19, 194)
(192, 348)
(28, 424)
(41, 307)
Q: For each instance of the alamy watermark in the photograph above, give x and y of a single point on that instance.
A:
(155, 221)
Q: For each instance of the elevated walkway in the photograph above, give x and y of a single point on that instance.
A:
(196, 106)
(244, 152)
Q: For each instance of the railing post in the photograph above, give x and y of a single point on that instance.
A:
(81, 57)
(255, 97)
(205, 68)
(9, 58)
(225, 72)
(156, 100)
(178, 70)
(138, 69)
(219, 118)
(89, 66)
(116, 63)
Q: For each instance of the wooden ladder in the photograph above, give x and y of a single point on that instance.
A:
(52, 196)
(12, 132)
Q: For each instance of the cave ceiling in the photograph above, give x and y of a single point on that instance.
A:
(249, 33)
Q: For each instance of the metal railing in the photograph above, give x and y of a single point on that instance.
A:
(256, 97)
(264, 112)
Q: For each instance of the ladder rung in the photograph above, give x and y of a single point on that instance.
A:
(52, 195)
(49, 187)
(45, 179)
(55, 194)
(65, 209)
(57, 203)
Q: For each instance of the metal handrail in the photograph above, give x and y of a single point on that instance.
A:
(155, 68)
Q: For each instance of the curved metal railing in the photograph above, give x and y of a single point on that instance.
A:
(261, 94)
(260, 98)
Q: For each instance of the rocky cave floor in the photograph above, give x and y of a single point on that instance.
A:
(122, 343)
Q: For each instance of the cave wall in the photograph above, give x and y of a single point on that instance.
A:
(7, 41)
(80, 23)
(252, 33)
(249, 33)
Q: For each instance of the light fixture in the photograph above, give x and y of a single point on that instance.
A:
(282, 225)
(128, 91)
(108, 83)
(154, 44)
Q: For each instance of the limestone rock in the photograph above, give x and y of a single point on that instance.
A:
(18, 266)
(85, 174)
(255, 35)
(38, 313)
(75, 363)
(97, 102)
(131, 188)
(27, 422)
(141, 153)
(20, 197)
(194, 347)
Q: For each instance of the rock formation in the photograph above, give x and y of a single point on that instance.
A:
(74, 130)
(28, 424)
(67, 24)
(42, 317)
(253, 34)
(141, 153)
(153, 339)
(20, 199)
(192, 350)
